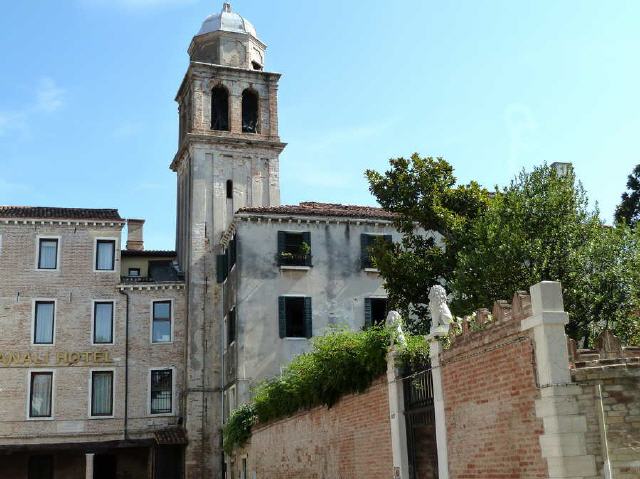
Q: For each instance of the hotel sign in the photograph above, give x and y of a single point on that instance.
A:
(55, 358)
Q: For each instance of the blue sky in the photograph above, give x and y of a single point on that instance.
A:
(87, 117)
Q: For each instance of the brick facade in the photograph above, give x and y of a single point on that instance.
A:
(74, 285)
(351, 440)
(489, 386)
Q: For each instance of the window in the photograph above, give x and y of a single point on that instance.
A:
(44, 322)
(294, 248)
(375, 311)
(230, 189)
(219, 108)
(40, 467)
(103, 322)
(48, 253)
(161, 329)
(250, 112)
(102, 393)
(366, 243)
(231, 326)
(105, 255)
(161, 391)
(294, 314)
(134, 272)
(40, 394)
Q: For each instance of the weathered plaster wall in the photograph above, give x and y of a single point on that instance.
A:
(336, 283)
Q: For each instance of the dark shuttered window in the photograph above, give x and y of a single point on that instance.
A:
(366, 243)
(295, 317)
(375, 311)
(294, 248)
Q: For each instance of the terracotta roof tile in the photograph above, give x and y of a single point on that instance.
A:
(312, 208)
(45, 212)
(171, 436)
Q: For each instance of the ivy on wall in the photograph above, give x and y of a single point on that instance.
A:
(340, 362)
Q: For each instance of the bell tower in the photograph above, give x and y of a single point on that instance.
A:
(228, 150)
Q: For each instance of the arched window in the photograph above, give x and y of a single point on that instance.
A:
(219, 108)
(250, 112)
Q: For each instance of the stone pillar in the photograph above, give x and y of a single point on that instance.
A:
(435, 349)
(88, 474)
(397, 419)
(563, 442)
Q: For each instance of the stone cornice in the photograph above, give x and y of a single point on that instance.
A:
(227, 139)
(60, 222)
(150, 286)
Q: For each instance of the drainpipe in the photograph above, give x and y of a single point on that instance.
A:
(126, 367)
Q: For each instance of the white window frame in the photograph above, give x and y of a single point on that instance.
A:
(53, 394)
(171, 320)
(33, 320)
(48, 237)
(116, 248)
(93, 321)
(173, 392)
(90, 392)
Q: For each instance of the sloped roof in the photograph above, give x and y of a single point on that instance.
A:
(313, 208)
(45, 212)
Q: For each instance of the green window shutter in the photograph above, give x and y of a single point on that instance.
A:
(282, 316)
(221, 268)
(365, 260)
(281, 238)
(232, 253)
(308, 321)
(306, 237)
(367, 313)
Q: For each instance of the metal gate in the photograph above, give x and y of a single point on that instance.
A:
(420, 421)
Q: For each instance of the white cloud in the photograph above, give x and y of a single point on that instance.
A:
(49, 96)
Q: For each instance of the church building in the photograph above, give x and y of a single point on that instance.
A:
(120, 362)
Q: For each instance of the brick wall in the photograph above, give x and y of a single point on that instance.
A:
(489, 387)
(350, 440)
(610, 400)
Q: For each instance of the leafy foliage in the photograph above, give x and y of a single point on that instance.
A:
(538, 228)
(425, 194)
(238, 428)
(341, 362)
(628, 211)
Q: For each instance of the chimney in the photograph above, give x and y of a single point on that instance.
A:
(562, 168)
(134, 235)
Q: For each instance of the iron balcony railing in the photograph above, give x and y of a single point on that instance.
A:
(295, 259)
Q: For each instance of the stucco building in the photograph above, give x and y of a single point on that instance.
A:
(124, 363)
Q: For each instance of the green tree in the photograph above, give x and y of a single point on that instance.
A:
(538, 228)
(425, 195)
(628, 211)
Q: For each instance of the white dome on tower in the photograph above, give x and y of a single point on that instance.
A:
(227, 21)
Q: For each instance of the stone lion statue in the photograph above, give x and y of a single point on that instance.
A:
(440, 313)
(394, 319)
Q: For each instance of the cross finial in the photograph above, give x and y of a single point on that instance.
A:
(226, 7)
